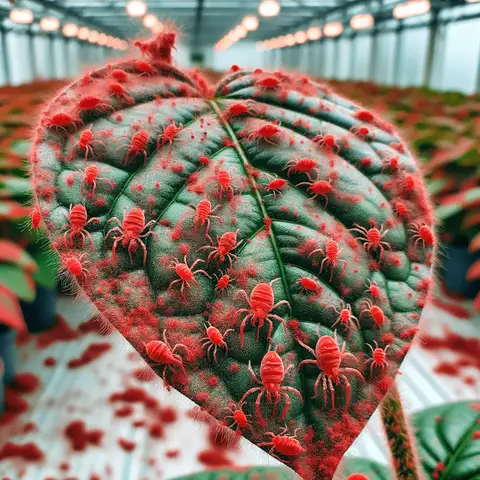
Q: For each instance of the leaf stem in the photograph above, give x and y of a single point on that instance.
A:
(400, 439)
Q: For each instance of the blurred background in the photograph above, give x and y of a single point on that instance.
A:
(416, 63)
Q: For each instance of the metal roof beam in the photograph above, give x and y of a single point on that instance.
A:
(70, 12)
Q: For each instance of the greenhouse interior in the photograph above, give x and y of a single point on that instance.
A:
(239, 239)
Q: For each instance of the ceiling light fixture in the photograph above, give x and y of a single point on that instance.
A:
(300, 37)
(361, 21)
(411, 9)
(49, 24)
(83, 33)
(314, 33)
(250, 22)
(149, 20)
(136, 8)
(70, 30)
(269, 8)
(21, 15)
(333, 29)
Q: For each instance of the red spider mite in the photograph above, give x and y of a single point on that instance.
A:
(318, 188)
(203, 216)
(90, 178)
(268, 83)
(224, 180)
(376, 313)
(362, 132)
(35, 218)
(364, 116)
(422, 233)
(276, 186)
(301, 165)
(76, 266)
(86, 142)
(345, 317)
(77, 218)
(90, 102)
(131, 232)
(408, 183)
(137, 145)
(374, 290)
(331, 255)
(326, 142)
(215, 339)
(272, 373)
(308, 285)
(391, 163)
(266, 132)
(372, 238)
(60, 121)
(187, 276)
(239, 109)
(328, 358)
(224, 282)
(163, 354)
(169, 134)
(144, 68)
(399, 208)
(118, 91)
(120, 76)
(286, 445)
(379, 358)
(261, 303)
(239, 418)
(226, 243)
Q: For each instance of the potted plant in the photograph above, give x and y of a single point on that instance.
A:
(38, 311)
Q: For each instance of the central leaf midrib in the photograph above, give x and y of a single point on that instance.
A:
(451, 459)
(258, 198)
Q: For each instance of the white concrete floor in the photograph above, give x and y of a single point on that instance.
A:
(83, 393)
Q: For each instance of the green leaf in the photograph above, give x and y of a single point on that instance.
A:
(17, 281)
(11, 210)
(448, 440)
(435, 186)
(21, 147)
(10, 311)
(244, 473)
(285, 292)
(13, 253)
(373, 470)
(47, 262)
(11, 187)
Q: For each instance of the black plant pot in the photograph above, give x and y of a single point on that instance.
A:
(40, 314)
(456, 262)
(8, 353)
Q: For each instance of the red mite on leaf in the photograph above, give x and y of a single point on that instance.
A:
(261, 303)
(215, 339)
(78, 219)
(131, 232)
(204, 215)
(331, 255)
(328, 358)
(272, 373)
(282, 444)
(187, 276)
(163, 354)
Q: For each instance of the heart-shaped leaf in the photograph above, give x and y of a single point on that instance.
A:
(448, 440)
(243, 473)
(234, 234)
(372, 470)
